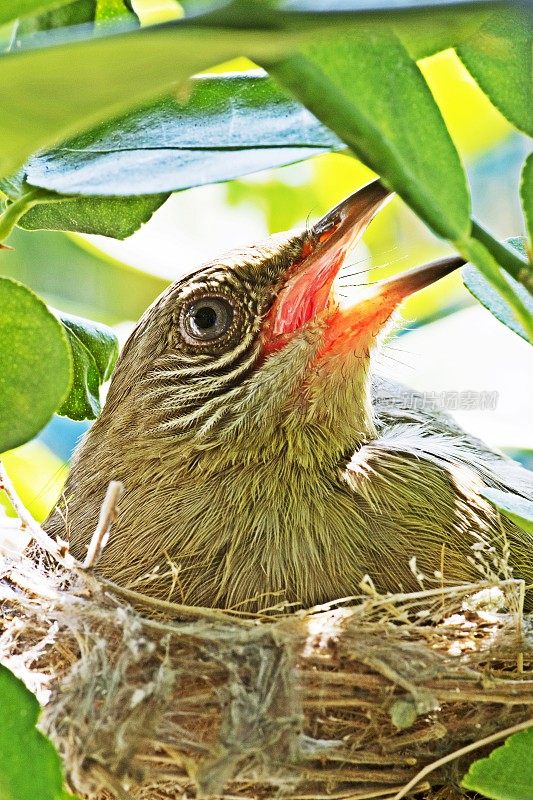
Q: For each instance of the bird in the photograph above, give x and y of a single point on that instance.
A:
(266, 463)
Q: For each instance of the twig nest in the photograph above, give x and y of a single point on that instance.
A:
(350, 701)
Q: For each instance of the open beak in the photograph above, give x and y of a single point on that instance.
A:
(308, 293)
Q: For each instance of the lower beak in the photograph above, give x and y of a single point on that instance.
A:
(308, 293)
(360, 321)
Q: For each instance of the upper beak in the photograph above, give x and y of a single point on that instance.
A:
(308, 292)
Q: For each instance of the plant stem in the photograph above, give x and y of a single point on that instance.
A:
(519, 269)
(30, 197)
(476, 252)
(16, 210)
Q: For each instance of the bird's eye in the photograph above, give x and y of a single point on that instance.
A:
(206, 319)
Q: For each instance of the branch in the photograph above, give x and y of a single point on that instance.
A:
(108, 514)
(481, 254)
(518, 268)
(58, 550)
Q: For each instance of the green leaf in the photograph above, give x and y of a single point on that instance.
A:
(36, 364)
(516, 508)
(507, 774)
(98, 340)
(372, 94)
(526, 193)
(488, 296)
(118, 217)
(94, 353)
(499, 56)
(44, 100)
(229, 125)
(30, 768)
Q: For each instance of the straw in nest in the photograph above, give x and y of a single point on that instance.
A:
(381, 697)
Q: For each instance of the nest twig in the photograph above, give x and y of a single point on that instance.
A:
(376, 699)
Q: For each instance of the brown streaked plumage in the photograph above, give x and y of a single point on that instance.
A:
(263, 460)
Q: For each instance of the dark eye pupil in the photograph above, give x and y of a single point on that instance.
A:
(205, 317)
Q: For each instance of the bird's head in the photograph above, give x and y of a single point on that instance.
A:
(256, 354)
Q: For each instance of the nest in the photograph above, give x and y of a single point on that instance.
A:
(381, 697)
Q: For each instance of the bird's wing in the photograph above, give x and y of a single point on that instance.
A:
(408, 423)
(420, 485)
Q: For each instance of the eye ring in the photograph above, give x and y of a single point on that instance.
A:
(208, 319)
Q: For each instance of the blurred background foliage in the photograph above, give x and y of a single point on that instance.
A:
(447, 342)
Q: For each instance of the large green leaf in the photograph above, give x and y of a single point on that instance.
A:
(502, 307)
(50, 362)
(36, 364)
(372, 94)
(30, 768)
(102, 163)
(168, 146)
(507, 774)
(229, 125)
(45, 100)
(500, 57)
(94, 353)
